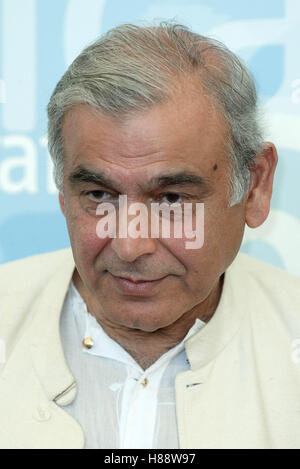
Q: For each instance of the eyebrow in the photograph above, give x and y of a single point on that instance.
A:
(81, 175)
(84, 175)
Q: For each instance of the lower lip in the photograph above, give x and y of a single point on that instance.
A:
(132, 288)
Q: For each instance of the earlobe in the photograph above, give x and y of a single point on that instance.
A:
(261, 185)
(62, 203)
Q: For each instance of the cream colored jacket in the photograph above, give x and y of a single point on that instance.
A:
(243, 389)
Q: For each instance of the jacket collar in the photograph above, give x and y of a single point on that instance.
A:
(46, 348)
(206, 344)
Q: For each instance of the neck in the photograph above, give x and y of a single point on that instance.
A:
(146, 347)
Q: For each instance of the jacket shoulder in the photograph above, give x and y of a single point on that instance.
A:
(270, 294)
(22, 274)
(22, 284)
(266, 274)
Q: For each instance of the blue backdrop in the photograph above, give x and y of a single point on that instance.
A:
(40, 38)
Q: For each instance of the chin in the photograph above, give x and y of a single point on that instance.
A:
(141, 321)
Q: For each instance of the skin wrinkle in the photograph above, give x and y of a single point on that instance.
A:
(185, 179)
(150, 325)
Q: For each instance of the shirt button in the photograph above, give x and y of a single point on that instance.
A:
(88, 343)
(42, 413)
(144, 382)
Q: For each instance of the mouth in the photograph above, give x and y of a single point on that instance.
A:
(139, 280)
(130, 286)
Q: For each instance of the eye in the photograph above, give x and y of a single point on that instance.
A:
(98, 196)
(171, 198)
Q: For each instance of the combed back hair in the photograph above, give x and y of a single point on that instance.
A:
(132, 68)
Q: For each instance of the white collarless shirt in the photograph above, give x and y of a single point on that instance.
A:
(119, 405)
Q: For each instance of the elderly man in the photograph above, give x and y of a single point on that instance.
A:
(137, 341)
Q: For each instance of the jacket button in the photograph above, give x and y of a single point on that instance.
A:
(42, 413)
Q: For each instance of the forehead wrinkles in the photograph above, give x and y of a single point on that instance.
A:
(86, 136)
(163, 133)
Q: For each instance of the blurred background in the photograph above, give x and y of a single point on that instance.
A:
(40, 38)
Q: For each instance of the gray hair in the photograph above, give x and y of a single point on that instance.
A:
(132, 68)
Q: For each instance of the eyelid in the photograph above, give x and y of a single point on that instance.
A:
(105, 191)
(178, 194)
(90, 193)
(110, 195)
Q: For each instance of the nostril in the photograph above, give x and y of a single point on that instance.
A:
(129, 249)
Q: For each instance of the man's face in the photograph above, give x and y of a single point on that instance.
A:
(147, 157)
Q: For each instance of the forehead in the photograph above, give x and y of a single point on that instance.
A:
(185, 133)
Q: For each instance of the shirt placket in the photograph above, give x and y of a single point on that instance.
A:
(139, 405)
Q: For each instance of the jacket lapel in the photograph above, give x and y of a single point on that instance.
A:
(36, 380)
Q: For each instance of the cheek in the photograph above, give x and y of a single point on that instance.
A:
(223, 235)
(85, 243)
(223, 232)
(202, 270)
(194, 260)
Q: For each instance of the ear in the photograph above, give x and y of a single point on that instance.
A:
(261, 185)
(62, 203)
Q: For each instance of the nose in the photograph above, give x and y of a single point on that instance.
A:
(129, 249)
